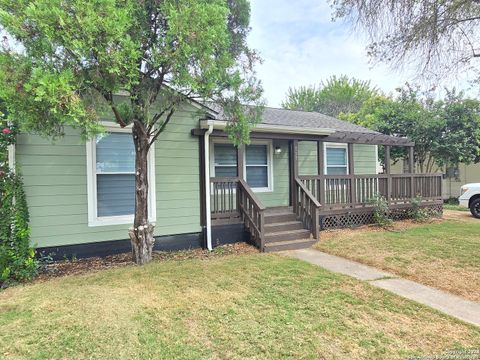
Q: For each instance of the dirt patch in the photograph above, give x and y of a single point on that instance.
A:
(82, 266)
(459, 216)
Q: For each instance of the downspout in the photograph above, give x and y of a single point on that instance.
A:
(208, 217)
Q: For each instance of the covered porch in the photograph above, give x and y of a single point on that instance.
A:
(330, 195)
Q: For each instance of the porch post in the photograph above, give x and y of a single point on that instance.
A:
(411, 170)
(351, 173)
(388, 172)
(294, 172)
(321, 173)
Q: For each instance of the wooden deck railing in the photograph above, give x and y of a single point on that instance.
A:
(340, 191)
(252, 213)
(307, 208)
(223, 199)
(232, 200)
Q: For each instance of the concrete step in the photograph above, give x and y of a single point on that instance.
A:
(283, 226)
(287, 235)
(289, 245)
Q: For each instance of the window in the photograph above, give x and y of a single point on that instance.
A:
(225, 156)
(258, 168)
(111, 178)
(336, 160)
(115, 172)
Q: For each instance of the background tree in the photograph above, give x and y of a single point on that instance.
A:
(71, 57)
(445, 132)
(334, 96)
(438, 37)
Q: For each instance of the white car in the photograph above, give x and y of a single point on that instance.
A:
(470, 198)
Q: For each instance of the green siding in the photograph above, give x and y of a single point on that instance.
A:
(280, 194)
(55, 179)
(307, 158)
(365, 159)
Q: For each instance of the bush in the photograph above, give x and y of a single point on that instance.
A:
(17, 257)
(451, 201)
(381, 211)
(420, 214)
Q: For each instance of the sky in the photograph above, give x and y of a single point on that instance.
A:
(300, 45)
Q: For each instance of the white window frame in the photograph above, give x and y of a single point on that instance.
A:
(335, 146)
(93, 218)
(269, 145)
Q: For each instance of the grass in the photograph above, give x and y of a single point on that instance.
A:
(443, 254)
(252, 306)
(455, 207)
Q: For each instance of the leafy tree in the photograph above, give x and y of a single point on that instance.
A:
(445, 132)
(334, 96)
(70, 58)
(460, 137)
(437, 37)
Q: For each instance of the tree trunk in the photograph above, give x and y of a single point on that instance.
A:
(141, 234)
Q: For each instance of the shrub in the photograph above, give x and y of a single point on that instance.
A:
(451, 201)
(381, 211)
(17, 257)
(418, 213)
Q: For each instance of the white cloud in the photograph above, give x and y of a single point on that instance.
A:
(300, 45)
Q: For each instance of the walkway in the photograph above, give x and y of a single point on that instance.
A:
(468, 311)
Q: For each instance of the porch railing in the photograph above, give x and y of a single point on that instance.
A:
(357, 190)
(232, 200)
(307, 208)
(223, 199)
(252, 213)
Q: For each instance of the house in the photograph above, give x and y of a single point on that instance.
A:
(455, 177)
(302, 172)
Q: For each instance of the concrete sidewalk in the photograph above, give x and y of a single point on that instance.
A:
(468, 311)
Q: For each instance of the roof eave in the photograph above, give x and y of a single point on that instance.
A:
(280, 129)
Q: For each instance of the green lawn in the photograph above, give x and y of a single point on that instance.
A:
(455, 207)
(248, 306)
(443, 254)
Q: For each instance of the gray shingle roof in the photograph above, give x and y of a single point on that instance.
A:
(302, 119)
(274, 116)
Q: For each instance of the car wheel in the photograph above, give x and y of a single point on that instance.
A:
(475, 208)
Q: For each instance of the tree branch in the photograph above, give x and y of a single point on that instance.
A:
(162, 128)
(109, 98)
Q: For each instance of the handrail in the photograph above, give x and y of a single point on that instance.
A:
(252, 211)
(364, 176)
(307, 192)
(307, 207)
(251, 194)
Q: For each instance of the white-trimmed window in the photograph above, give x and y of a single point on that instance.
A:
(336, 159)
(111, 178)
(257, 166)
(257, 163)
